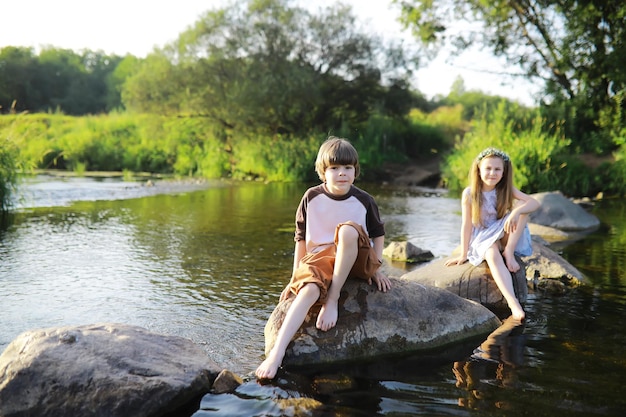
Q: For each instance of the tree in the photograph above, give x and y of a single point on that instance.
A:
(18, 67)
(264, 65)
(56, 79)
(577, 47)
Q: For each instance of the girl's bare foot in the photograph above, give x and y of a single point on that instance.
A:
(269, 367)
(518, 313)
(327, 317)
(511, 262)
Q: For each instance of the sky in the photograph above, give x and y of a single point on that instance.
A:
(138, 26)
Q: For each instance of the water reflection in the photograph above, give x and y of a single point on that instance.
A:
(493, 363)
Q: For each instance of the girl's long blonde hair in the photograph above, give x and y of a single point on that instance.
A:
(504, 189)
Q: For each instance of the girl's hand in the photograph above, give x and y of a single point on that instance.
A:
(510, 224)
(459, 260)
(382, 281)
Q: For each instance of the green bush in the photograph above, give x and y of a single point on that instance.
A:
(275, 158)
(8, 172)
(539, 158)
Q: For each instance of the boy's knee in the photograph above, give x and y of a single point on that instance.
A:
(347, 233)
(310, 290)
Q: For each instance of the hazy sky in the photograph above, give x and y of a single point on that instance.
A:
(137, 26)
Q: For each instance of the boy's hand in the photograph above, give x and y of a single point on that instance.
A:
(382, 281)
(286, 293)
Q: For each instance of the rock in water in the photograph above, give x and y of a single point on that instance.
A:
(410, 318)
(468, 281)
(101, 370)
(559, 212)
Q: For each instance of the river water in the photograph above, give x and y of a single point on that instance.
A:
(208, 261)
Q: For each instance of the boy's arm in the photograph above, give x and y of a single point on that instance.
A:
(382, 281)
(298, 252)
(379, 245)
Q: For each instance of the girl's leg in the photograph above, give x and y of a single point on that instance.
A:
(510, 243)
(347, 251)
(306, 297)
(502, 277)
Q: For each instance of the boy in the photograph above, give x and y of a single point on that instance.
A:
(334, 224)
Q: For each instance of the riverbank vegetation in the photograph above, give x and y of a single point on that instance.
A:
(249, 92)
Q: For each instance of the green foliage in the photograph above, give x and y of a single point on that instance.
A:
(270, 68)
(616, 173)
(538, 157)
(575, 49)
(197, 149)
(57, 80)
(384, 139)
(8, 172)
(448, 121)
(275, 158)
(475, 103)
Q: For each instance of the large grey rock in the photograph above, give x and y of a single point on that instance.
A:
(101, 370)
(409, 318)
(561, 213)
(544, 263)
(468, 281)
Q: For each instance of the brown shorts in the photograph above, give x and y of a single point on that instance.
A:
(318, 267)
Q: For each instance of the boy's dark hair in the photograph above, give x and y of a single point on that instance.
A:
(336, 151)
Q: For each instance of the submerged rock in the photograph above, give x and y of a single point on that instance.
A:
(409, 318)
(407, 252)
(101, 370)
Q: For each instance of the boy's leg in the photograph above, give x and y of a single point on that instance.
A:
(306, 297)
(511, 243)
(502, 276)
(347, 251)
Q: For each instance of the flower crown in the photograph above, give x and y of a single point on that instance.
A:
(493, 152)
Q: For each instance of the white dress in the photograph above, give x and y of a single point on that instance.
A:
(484, 236)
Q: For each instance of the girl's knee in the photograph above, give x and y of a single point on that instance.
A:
(493, 252)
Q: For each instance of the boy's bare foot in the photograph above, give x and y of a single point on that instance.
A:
(269, 367)
(511, 263)
(327, 317)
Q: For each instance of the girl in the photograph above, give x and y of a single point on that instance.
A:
(494, 217)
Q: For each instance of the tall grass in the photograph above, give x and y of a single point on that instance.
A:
(193, 146)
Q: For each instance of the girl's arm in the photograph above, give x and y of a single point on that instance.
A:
(525, 204)
(466, 230)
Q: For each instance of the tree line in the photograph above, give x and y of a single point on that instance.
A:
(273, 73)
(55, 79)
